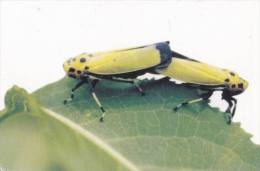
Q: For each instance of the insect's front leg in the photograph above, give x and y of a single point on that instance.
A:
(136, 82)
(73, 90)
(231, 102)
(235, 106)
(93, 84)
(228, 110)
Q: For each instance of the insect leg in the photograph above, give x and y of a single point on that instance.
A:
(92, 91)
(228, 110)
(230, 117)
(231, 102)
(73, 90)
(205, 96)
(136, 82)
(235, 106)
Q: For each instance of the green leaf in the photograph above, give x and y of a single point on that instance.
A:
(139, 132)
(36, 139)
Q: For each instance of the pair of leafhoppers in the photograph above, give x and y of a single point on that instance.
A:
(125, 65)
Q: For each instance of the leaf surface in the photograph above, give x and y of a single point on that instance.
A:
(33, 138)
(143, 131)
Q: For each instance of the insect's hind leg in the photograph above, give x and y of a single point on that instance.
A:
(79, 84)
(203, 97)
(232, 103)
(136, 82)
(92, 91)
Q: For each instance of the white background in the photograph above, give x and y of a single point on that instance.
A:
(36, 37)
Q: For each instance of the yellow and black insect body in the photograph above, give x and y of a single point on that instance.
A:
(120, 65)
(126, 64)
(206, 77)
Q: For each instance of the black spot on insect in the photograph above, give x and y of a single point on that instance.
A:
(79, 72)
(232, 73)
(233, 86)
(86, 67)
(227, 80)
(71, 69)
(82, 60)
(240, 85)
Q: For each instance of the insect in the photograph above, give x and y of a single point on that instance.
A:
(125, 65)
